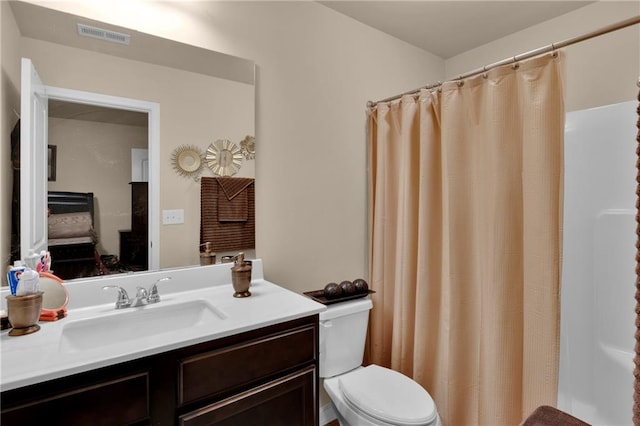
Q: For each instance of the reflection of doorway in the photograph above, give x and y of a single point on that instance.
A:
(97, 148)
(33, 157)
(140, 165)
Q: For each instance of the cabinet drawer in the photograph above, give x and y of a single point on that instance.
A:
(234, 367)
(285, 401)
(121, 401)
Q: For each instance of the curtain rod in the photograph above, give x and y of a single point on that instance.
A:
(539, 51)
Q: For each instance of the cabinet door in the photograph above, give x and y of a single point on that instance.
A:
(234, 368)
(288, 401)
(121, 401)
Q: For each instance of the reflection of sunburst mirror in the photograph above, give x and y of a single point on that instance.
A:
(248, 147)
(187, 160)
(224, 158)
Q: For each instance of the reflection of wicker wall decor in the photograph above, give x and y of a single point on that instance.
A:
(248, 147)
(223, 158)
(227, 235)
(187, 161)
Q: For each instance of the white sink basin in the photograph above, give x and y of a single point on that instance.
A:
(137, 323)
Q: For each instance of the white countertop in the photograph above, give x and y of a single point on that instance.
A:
(43, 355)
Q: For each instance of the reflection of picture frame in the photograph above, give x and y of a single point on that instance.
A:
(51, 163)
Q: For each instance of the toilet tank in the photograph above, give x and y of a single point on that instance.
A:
(343, 330)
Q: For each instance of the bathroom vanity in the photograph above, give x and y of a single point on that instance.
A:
(199, 356)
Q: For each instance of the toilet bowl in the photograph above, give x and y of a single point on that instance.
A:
(371, 395)
(377, 396)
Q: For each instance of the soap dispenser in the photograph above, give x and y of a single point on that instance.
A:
(208, 257)
(241, 276)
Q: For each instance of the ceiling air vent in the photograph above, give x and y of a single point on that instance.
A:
(102, 34)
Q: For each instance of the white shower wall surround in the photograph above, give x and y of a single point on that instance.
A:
(598, 278)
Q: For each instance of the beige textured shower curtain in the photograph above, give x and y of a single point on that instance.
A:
(466, 215)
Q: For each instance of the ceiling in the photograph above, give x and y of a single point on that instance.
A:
(448, 28)
(50, 25)
(75, 111)
(42, 23)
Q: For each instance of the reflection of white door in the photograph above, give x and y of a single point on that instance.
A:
(139, 165)
(33, 158)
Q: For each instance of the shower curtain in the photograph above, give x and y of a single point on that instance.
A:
(465, 240)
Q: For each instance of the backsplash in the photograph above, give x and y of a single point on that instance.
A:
(88, 292)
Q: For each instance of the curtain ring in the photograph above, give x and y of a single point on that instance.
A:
(484, 72)
(460, 83)
(554, 54)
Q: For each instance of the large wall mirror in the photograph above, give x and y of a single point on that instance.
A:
(203, 97)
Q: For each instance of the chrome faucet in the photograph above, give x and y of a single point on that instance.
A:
(154, 296)
(140, 299)
(123, 298)
(142, 296)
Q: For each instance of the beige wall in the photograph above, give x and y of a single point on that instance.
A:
(316, 71)
(600, 71)
(96, 157)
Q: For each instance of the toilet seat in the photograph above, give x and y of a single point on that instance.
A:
(388, 396)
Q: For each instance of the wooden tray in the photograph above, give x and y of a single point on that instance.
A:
(318, 296)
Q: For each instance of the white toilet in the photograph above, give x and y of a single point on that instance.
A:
(372, 395)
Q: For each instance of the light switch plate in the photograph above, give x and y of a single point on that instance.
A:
(172, 217)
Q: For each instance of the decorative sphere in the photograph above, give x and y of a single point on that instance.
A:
(332, 291)
(348, 288)
(360, 285)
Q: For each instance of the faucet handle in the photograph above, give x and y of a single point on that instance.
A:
(141, 293)
(154, 296)
(123, 298)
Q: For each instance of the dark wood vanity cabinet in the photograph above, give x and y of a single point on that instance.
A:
(265, 377)
(285, 401)
(81, 400)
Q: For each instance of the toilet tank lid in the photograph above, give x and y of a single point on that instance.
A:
(346, 308)
(388, 396)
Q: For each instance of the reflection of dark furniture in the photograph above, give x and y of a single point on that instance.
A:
(134, 242)
(15, 194)
(72, 239)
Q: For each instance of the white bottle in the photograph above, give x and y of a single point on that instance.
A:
(28, 283)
